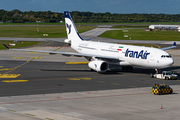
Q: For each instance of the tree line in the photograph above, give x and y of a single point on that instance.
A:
(17, 16)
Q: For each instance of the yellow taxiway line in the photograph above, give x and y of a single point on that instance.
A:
(11, 110)
(77, 62)
(9, 75)
(35, 57)
(79, 78)
(116, 84)
(12, 81)
(74, 79)
(32, 52)
(100, 81)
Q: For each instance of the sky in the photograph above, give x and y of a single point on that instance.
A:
(96, 6)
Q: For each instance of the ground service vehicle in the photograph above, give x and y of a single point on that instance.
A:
(161, 89)
(167, 75)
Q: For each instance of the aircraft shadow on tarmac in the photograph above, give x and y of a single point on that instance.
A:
(136, 70)
(65, 70)
(172, 68)
(108, 72)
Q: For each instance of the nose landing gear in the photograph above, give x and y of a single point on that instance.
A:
(158, 71)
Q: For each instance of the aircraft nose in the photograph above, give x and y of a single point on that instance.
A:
(170, 62)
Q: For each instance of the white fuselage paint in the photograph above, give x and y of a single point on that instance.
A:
(127, 54)
(131, 55)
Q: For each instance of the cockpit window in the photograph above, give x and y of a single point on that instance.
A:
(166, 56)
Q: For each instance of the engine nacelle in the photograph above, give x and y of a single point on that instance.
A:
(99, 66)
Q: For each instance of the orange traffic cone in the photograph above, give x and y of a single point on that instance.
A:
(161, 107)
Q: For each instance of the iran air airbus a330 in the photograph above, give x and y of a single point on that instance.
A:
(100, 55)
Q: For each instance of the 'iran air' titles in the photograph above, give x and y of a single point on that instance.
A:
(136, 54)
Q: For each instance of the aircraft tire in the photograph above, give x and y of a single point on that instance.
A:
(151, 75)
(123, 68)
(127, 68)
(130, 68)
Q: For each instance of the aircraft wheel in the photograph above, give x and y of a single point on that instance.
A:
(130, 68)
(123, 68)
(127, 68)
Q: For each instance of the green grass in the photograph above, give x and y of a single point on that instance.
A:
(18, 44)
(140, 34)
(138, 23)
(31, 24)
(31, 31)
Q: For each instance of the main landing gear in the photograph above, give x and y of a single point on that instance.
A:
(127, 68)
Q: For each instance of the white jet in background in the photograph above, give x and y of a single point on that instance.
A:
(100, 54)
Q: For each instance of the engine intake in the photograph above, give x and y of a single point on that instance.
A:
(99, 66)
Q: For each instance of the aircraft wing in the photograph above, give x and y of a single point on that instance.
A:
(166, 48)
(71, 54)
(85, 55)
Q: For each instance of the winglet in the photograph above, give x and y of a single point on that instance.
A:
(174, 44)
(166, 48)
(6, 46)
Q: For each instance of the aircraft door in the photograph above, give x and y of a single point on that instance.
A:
(152, 56)
(152, 59)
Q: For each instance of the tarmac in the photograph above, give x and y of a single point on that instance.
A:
(122, 104)
(87, 95)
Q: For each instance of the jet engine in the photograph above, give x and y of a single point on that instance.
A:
(99, 66)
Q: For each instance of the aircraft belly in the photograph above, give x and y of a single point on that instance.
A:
(136, 61)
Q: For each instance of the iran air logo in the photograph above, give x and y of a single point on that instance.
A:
(69, 28)
(137, 54)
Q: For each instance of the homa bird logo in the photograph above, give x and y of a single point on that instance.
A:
(136, 54)
(69, 27)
